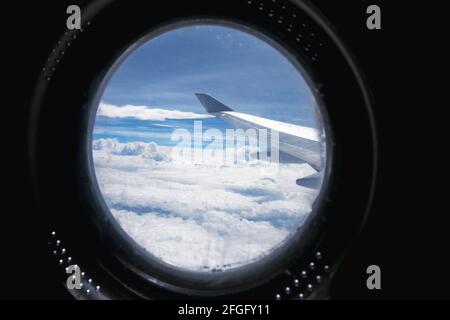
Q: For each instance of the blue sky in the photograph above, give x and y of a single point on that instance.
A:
(237, 68)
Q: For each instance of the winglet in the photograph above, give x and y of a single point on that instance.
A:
(210, 104)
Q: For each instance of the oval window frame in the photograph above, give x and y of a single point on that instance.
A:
(230, 280)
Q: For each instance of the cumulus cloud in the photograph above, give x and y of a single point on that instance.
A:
(203, 217)
(146, 150)
(145, 113)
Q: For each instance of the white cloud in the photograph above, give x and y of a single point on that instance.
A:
(145, 150)
(145, 113)
(200, 217)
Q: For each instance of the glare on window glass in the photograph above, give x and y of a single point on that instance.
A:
(208, 147)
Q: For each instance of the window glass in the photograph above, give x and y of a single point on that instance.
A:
(208, 147)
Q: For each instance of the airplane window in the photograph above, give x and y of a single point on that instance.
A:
(209, 147)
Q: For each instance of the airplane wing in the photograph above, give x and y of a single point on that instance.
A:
(296, 143)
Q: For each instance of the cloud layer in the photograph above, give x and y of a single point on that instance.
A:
(145, 113)
(200, 217)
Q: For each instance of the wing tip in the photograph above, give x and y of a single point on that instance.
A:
(211, 104)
